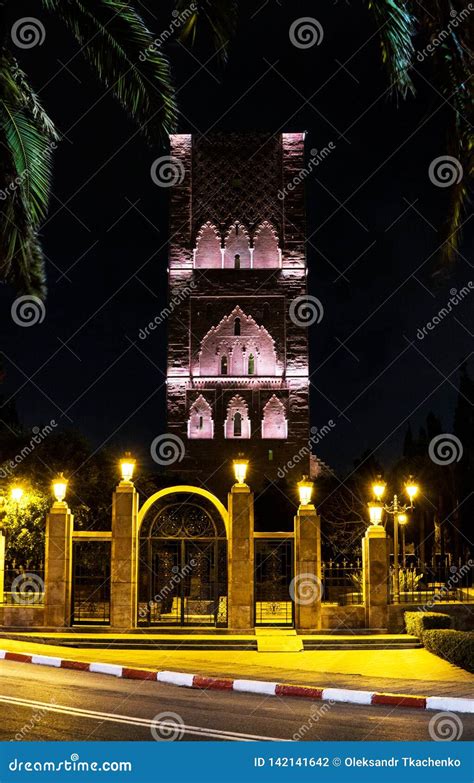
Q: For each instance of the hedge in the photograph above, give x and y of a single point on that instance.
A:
(454, 646)
(418, 622)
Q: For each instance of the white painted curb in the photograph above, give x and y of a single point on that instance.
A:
(106, 668)
(176, 678)
(255, 686)
(450, 704)
(343, 694)
(46, 660)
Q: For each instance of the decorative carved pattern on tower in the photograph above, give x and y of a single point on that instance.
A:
(223, 167)
(237, 346)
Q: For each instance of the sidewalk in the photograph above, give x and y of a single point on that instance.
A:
(402, 671)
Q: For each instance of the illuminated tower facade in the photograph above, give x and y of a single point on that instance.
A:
(237, 376)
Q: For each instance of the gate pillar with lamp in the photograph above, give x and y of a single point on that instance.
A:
(375, 565)
(123, 575)
(241, 551)
(58, 564)
(306, 589)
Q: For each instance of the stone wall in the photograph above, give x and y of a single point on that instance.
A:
(249, 179)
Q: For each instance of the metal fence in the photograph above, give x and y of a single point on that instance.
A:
(433, 583)
(23, 586)
(342, 582)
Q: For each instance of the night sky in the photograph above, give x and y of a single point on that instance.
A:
(372, 235)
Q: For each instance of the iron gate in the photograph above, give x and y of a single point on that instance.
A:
(273, 575)
(91, 583)
(183, 568)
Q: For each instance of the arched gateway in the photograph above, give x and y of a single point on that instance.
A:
(182, 559)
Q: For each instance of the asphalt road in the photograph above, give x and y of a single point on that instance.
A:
(38, 703)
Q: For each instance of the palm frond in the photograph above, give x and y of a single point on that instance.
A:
(396, 29)
(27, 136)
(220, 17)
(449, 71)
(115, 41)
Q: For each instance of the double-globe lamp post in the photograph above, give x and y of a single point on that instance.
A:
(398, 511)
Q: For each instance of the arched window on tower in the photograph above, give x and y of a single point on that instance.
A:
(200, 421)
(207, 254)
(237, 423)
(237, 248)
(237, 326)
(224, 365)
(266, 253)
(265, 312)
(251, 364)
(274, 422)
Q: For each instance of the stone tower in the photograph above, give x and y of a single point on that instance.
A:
(237, 377)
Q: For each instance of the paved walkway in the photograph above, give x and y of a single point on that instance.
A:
(407, 671)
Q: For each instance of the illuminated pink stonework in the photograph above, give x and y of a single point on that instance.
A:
(237, 363)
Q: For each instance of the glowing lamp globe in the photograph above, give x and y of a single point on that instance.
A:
(375, 513)
(378, 488)
(17, 493)
(305, 491)
(60, 488)
(411, 489)
(402, 519)
(127, 466)
(240, 469)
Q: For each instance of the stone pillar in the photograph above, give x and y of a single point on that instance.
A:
(241, 559)
(375, 576)
(123, 569)
(58, 566)
(2, 566)
(307, 586)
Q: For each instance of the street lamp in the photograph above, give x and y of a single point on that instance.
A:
(240, 470)
(402, 520)
(398, 511)
(60, 488)
(127, 466)
(305, 491)
(16, 494)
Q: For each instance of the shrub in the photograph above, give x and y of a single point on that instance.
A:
(454, 646)
(418, 622)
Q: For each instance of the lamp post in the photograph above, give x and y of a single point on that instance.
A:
(398, 511)
(127, 467)
(402, 521)
(240, 471)
(59, 488)
(305, 491)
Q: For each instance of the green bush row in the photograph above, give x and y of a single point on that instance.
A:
(454, 646)
(417, 623)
